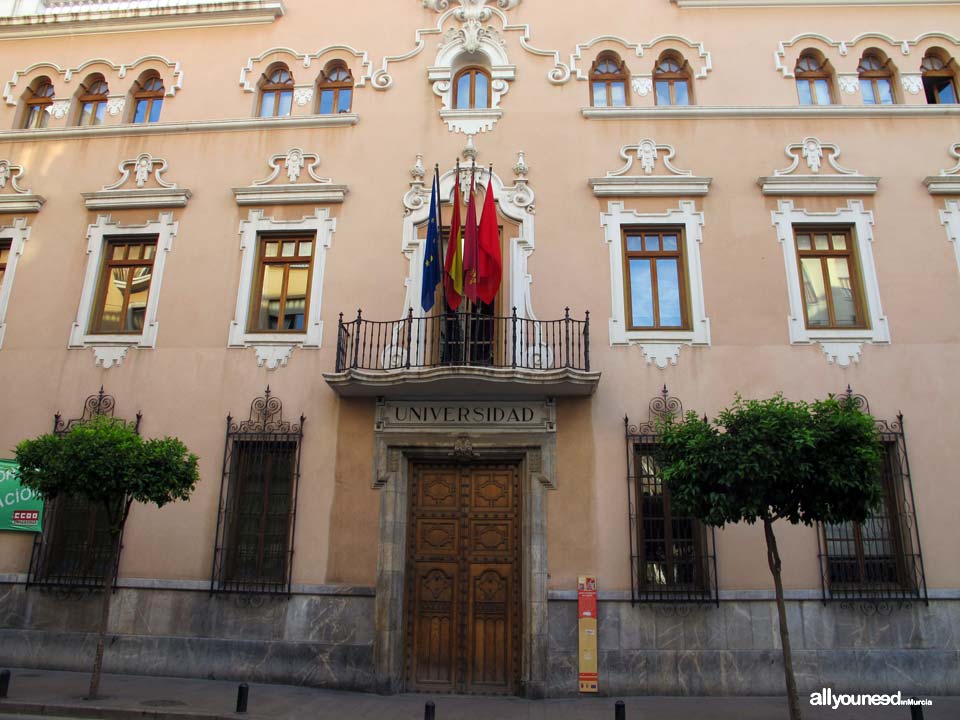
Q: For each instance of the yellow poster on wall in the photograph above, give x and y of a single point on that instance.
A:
(587, 614)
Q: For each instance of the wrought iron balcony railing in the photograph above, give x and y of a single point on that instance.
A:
(463, 339)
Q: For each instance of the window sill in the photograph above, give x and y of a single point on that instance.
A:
(660, 347)
(770, 111)
(471, 122)
(110, 350)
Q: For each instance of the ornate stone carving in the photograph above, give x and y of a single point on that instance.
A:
(11, 173)
(142, 166)
(59, 109)
(521, 168)
(418, 172)
(813, 152)
(642, 86)
(674, 182)
(947, 182)
(463, 449)
(911, 83)
(115, 106)
(850, 84)
(303, 96)
(471, 14)
(292, 163)
(139, 171)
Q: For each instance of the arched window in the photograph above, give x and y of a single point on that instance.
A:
(813, 80)
(93, 101)
(148, 94)
(38, 98)
(671, 78)
(471, 89)
(276, 92)
(876, 79)
(939, 77)
(608, 81)
(335, 89)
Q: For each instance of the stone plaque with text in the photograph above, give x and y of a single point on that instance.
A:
(465, 416)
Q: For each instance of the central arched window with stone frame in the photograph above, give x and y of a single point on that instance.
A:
(876, 79)
(814, 79)
(147, 96)
(939, 77)
(335, 89)
(609, 81)
(37, 102)
(276, 92)
(471, 89)
(92, 101)
(671, 79)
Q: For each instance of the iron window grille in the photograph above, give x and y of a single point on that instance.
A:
(672, 558)
(258, 502)
(73, 549)
(878, 560)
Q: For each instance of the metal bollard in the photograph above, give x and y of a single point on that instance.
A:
(429, 711)
(4, 682)
(620, 711)
(916, 712)
(243, 693)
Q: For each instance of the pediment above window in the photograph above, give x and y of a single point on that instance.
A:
(947, 182)
(141, 185)
(13, 197)
(652, 181)
(826, 175)
(300, 184)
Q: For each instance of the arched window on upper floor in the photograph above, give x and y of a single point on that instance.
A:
(814, 79)
(609, 81)
(276, 92)
(148, 92)
(671, 79)
(939, 77)
(92, 100)
(471, 89)
(876, 79)
(36, 102)
(335, 89)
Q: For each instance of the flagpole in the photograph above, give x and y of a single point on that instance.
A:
(443, 255)
(476, 236)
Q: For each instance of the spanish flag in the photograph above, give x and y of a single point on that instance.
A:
(453, 263)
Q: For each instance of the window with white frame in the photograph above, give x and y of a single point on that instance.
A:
(655, 279)
(281, 280)
(121, 293)
(831, 279)
(12, 239)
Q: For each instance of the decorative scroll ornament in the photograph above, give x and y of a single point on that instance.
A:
(142, 166)
(115, 106)
(141, 169)
(912, 84)
(303, 96)
(472, 14)
(817, 156)
(947, 182)
(266, 416)
(850, 84)
(642, 86)
(647, 153)
(661, 407)
(292, 163)
(10, 173)
(59, 109)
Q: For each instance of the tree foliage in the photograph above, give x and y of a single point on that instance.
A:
(775, 459)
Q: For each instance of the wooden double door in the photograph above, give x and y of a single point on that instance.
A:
(463, 579)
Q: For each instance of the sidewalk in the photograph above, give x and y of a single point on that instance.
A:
(60, 694)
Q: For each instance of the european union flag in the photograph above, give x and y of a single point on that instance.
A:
(432, 269)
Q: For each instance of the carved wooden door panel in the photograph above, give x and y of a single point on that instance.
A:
(463, 579)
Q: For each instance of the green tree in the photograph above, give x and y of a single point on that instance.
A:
(769, 460)
(106, 462)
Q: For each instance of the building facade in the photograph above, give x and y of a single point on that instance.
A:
(695, 198)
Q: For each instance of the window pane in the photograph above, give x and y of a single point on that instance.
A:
(295, 307)
(670, 242)
(651, 243)
(116, 285)
(306, 248)
(481, 90)
(119, 251)
(326, 102)
(2, 271)
(814, 293)
(663, 92)
(343, 104)
(803, 242)
(618, 94)
(866, 89)
(821, 242)
(267, 103)
(841, 288)
(886, 91)
(823, 91)
(155, 108)
(668, 293)
(4, 255)
(803, 92)
(634, 243)
(133, 252)
(681, 92)
(99, 110)
(947, 91)
(641, 293)
(149, 252)
(86, 114)
(463, 92)
(140, 111)
(289, 248)
(839, 242)
(137, 306)
(270, 297)
(271, 249)
(599, 94)
(286, 102)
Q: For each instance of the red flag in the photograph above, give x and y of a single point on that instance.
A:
(471, 242)
(490, 265)
(453, 263)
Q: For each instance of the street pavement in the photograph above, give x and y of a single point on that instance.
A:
(60, 694)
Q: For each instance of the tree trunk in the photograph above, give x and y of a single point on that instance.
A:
(773, 559)
(109, 580)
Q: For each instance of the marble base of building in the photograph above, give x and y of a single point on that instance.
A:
(327, 641)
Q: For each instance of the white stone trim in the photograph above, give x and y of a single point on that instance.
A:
(17, 234)
(109, 350)
(842, 345)
(947, 182)
(294, 162)
(144, 166)
(677, 183)
(845, 182)
(640, 50)
(698, 112)
(274, 349)
(661, 347)
(249, 74)
(18, 200)
(949, 218)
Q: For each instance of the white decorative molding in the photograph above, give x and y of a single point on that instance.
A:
(274, 349)
(845, 182)
(840, 345)
(678, 42)
(642, 86)
(81, 17)
(144, 167)
(818, 112)
(110, 350)
(250, 72)
(848, 83)
(949, 218)
(515, 202)
(675, 183)
(912, 82)
(17, 235)
(58, 109)
(293, 162)
(169, 71)
(115, 106)
(660, 347)
(948, 181)
(13, 198)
